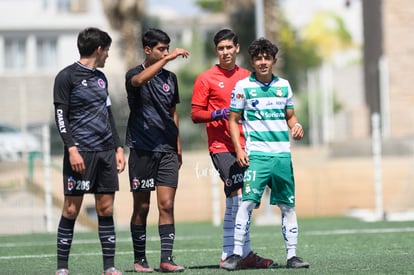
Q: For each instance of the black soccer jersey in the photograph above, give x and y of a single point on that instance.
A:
(151, 125)
(84, 91)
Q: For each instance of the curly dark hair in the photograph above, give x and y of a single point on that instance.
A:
(262, 45)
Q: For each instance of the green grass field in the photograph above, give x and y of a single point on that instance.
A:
(330, 245)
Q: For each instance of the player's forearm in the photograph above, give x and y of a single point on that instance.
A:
(235, 134)
(62, 124)
(148, 73)
(200, 116)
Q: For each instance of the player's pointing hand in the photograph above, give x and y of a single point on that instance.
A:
(178, 52)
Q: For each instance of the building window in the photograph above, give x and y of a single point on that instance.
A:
(15, 55)
(64, 5)
(46, 53)
(74, 6)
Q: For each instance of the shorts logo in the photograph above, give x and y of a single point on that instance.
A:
(228, 182)
(71, 184)
(101, 83)
(166, 87)
(247, 188)
(135, 183)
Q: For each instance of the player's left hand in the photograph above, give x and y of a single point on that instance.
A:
(120, 160)
(242, 159)
(297, 131)
(180, 160)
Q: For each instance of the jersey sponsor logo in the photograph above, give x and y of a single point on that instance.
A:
(255, 102)
(84, 83)
(61, 122)
(166, 88)
(258, 115)
(269, 115)
(221, 84)
(237, 96)
(101, 83)
(252, 92)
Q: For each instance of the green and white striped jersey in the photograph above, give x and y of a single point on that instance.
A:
(263, 107)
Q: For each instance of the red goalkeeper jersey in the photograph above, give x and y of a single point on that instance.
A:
(212, 91)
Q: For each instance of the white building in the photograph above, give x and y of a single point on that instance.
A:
(37, 39)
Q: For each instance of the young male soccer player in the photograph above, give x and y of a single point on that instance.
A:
(93, 154)
(210, 104)
(265, 102)
(155, 149)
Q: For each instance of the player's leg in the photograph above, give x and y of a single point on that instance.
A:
(167, 181)
(228, 229)
(140, 173)
(232, 176)
(70, 211)
(256, 177)
(250, 259)
(283, 194)
(138, 227)
(71, 206)
(106, 228)
(104, 187)
(254, 182)
(240, 232)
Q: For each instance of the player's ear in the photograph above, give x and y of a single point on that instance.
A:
(147, 50)
(99, 50)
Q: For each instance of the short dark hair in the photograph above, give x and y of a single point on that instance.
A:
(153, 36)
(262, 45)
(225, 34)
(90, 39)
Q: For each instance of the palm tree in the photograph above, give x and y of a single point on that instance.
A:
(125, 16)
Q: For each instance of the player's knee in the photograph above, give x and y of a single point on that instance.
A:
(248, 206)
(105, 211)
(70, 213)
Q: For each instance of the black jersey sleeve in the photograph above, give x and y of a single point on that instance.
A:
(176, 95)
(62, 123)
(115, 136)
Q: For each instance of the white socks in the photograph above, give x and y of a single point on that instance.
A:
(241, 231)
(230, 214)
(289, 229)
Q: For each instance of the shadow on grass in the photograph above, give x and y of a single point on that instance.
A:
(274, 266)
